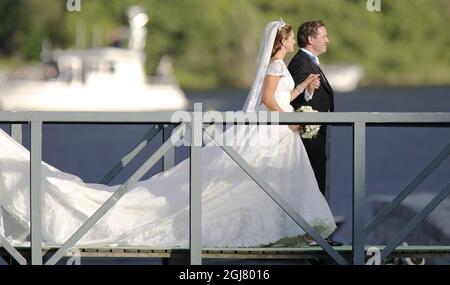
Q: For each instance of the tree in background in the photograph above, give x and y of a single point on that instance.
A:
(214, 43)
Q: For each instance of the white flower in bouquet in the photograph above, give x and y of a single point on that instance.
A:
(309, 131)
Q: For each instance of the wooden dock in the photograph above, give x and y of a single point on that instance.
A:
(181, 255)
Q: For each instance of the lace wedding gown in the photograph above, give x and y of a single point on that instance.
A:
(154, 213)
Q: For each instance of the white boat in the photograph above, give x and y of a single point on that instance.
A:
(343, 77)
(97, 79)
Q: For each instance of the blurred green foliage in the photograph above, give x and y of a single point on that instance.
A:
(214, 43)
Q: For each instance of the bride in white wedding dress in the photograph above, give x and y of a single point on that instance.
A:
(154, 213)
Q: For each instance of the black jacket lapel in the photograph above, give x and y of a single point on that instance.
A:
(317, 70)
(325, 80)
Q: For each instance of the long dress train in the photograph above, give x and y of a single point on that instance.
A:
(154, 213)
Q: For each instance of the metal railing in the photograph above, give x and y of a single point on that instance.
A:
(358, 121)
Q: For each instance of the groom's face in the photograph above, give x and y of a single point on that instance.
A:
(319, 43)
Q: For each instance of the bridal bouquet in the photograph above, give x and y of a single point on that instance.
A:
(309, 131)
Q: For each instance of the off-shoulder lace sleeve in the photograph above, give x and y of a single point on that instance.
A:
(276, 68)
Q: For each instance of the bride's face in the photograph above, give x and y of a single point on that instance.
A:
(289, 43)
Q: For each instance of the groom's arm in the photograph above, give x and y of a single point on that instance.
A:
(299, 72)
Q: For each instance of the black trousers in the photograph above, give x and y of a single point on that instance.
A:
(317, 156)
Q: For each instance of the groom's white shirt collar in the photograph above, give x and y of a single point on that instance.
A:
(316, 59)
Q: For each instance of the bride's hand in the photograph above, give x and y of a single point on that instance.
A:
(313, 85)
(301, 87)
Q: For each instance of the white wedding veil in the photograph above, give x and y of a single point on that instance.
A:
(265, 50)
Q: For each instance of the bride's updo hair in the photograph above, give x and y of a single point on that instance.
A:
(282, 34)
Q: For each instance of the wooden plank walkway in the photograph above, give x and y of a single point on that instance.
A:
(235, 253)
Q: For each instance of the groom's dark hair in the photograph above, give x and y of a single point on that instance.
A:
(308, 29)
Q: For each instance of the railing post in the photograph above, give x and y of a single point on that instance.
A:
(169, 156)
(35, 193)
(195, 180)
(16, 132)
(327, 164)
(359, 182)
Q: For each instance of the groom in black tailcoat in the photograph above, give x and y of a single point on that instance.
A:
(313, 41)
